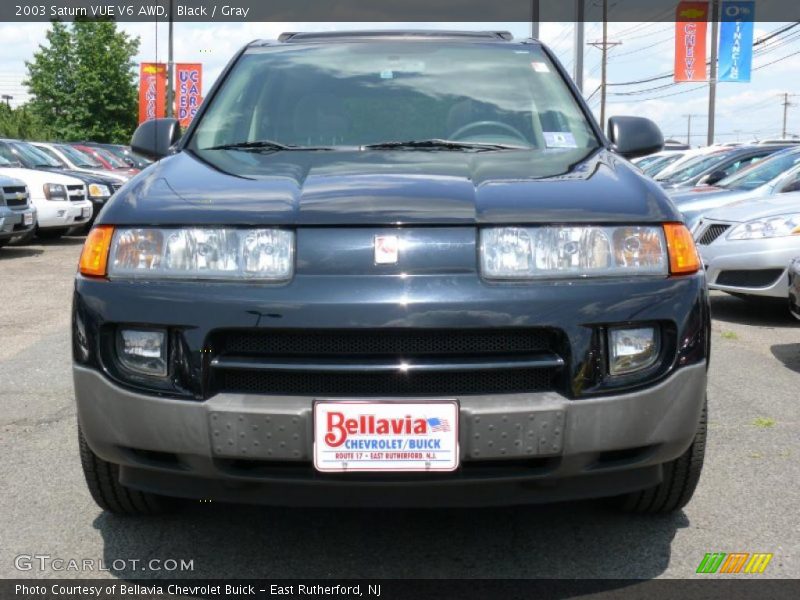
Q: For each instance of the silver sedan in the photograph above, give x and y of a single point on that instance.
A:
(747, 247)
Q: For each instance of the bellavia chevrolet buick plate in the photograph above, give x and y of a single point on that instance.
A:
(400, 268)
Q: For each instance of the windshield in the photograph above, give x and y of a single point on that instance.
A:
(648, 160)
(356, 94)
(762, 172)
(32, 157)
(52, 155)
(4, 162)
(656, 167)
(8, 153)
(695, 167)
(110, 158)
(78, 158)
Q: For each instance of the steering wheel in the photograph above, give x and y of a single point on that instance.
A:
(496, 124)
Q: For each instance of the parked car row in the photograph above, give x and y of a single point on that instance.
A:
(742, 204)
(50, 188)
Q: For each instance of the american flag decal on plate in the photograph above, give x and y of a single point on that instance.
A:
(437, 424)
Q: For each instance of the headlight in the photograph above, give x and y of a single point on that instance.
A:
(771, 227)
(202, 253)
(98, 191)
(55, 191)
(588, 251)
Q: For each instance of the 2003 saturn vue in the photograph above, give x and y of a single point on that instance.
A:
(399, 268)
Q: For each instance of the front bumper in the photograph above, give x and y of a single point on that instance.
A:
(773, 254)
(588, 448)
(12, 223)
(61, 214)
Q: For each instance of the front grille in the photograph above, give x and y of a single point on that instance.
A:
(16, 196)
(711, 233)
(403, 344)
(115, 187)
(475, 346)
(494, 381)
(76, 193)
(757, 278)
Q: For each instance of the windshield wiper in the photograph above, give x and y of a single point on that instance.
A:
(440, 144)
(264, 145)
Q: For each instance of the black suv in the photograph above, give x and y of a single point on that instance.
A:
(398, 268)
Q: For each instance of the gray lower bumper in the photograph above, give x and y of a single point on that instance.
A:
(557, 437)
(12, 223)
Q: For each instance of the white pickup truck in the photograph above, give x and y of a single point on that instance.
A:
(61, 201)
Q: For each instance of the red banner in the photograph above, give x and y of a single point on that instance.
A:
(691, 23)
(188, 91)
(152, 91)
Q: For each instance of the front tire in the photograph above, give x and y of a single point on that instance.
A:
(102, 478)
(680, 479)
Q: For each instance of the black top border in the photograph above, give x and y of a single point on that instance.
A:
(372, 11)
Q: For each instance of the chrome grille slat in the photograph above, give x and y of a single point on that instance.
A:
(377, 363)
(76, 193)
(16, 197)
(711, 233)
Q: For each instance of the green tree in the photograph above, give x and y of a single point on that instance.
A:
(83, 82)
(21, 123)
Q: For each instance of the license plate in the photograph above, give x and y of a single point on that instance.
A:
(27, 219)
(86, 212)
(357, 435)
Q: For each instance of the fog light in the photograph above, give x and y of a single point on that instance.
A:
(631, 349)
(143, 351)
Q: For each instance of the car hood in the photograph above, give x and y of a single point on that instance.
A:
(757, 208)
(84, 176)
(6, 180)
(34, 178)
(702, 199)
(389, 188)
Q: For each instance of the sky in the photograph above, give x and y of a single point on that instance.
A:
(744, 110)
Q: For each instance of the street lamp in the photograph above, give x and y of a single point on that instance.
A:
(8, 99)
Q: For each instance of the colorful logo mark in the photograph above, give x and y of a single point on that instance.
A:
(692, 13)
(735, 562)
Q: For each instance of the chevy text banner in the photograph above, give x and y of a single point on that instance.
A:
(736, 41)
(152, 91)
(691, 23)
(363, 11)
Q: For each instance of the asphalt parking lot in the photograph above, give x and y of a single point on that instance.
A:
(747, 500)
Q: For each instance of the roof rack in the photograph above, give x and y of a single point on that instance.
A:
(297, 36)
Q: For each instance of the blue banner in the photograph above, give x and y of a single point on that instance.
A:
(736, 40)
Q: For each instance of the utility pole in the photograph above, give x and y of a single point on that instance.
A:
(170, 69)
(535, 19)
(712, 84)
(8, 100)
(689, 128)
(604, 46)
(786, 105)
(580, 13)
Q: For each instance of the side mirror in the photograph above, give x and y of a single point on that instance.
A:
(714, 177)
(154, 138)
(634, 136)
